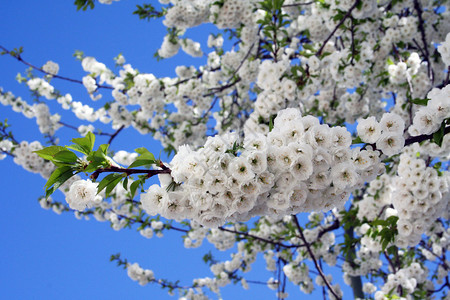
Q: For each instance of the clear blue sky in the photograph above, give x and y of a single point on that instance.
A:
(49, 256)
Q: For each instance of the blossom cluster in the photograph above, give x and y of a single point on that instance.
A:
(420, 195)
(24, 156)
(51, 68)
(406, 278)
(444, 50)
(428, 119)
(300, 165)
(136, 273)
(387, 134)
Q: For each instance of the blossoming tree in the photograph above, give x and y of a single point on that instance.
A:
(288, 115)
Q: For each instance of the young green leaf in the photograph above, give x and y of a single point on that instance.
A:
(65, 156)
(125, 183)
(86, 143)
(108, 180)
(58, 177)
(141, 162)
(48, 152)
(112, 185)
(78, 148)
(145, 158)
(133, 188)
(142, 150)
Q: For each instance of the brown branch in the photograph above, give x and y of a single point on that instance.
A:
(6, 135)
(140, 221)
(313, 257)
(114, 169)
(337, 26)
(424, 137)
(221, 88)
(352, 28)
(414, 139)
(332, 227)
(418, 8)
(113, 136)
(447, 283)
(259, 238)
(442, 259)
(7, 153)
(390, 262)
(19, 58)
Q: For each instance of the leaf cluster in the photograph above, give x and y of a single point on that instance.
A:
(148, 12)
(84, 4)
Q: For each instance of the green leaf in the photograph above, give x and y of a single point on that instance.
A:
(418, 101)
(99, 157)
(86, 143)
(103, 148)
(357, 140)
(438, 136)
(84, 4)
(308, 47)
(58, 177)
(65, 156)
(112, 185)
(92, 167)
(48, 152)
(270, 124)
(109, 179)
(145, 158)
(133, 187)
(141, 162)
(77, 148)
(142, 150)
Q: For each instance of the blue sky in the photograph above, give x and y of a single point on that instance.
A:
(50, 256)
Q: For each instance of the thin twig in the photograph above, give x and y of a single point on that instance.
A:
(250, 236)
(113, 136)
(337, 26)
(418, 8)
(19, 58)
(313, 257)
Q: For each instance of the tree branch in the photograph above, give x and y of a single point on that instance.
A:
(424, 137)
(313, 257)
(113, 136)
(259, 238)
(114, 169)
(19, 58)
(418, 8)
(337, 27)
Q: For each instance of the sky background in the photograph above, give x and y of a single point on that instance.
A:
(50, 256)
